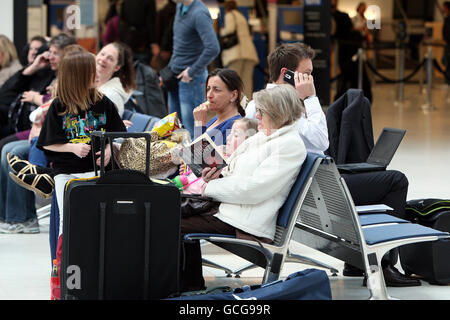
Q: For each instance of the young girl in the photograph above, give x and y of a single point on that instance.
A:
(115, 79)
(78, 110)
(241, 130)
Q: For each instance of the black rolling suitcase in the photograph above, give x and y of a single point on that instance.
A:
(430, 260)
(120, 235)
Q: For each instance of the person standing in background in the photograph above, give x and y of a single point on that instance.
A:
(360, 22)
(137, 27)
(162, 50)
(349, 41)
(195, 45)
(242, 57)
(112, 18)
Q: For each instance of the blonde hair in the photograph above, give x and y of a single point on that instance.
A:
(9, 51)
(72, 48)
(251, 126)
(281, 104)
(75, 86)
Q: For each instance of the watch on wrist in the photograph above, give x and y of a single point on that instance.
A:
(308, 97)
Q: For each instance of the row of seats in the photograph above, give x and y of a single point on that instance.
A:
(141, 122)
(319, 212)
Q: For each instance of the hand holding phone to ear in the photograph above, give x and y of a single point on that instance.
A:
(304, 85)
(39, 63)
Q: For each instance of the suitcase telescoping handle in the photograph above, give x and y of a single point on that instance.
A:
(114, 135)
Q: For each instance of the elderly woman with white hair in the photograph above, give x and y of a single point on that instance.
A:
(256, 182)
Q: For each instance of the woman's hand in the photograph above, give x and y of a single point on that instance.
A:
(209, 174)
(127, 123)
(39, 63)
(155, 49)
(81, 149)
(201, 114)
(32, 97)
(107, 156)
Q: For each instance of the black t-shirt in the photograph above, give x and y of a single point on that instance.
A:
(68, 128)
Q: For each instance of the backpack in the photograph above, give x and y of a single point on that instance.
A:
(433, 264)
(423, 210)
(151, 101)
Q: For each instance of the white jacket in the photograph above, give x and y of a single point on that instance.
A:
(258, 179)
(115, 92)
(312, 127)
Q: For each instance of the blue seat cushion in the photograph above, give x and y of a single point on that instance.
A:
(127, 114)
(152, 123)
(285, 211)
(378, 218)
(379, 234)
(140, 122)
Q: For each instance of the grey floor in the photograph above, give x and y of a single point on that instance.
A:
(422, 156)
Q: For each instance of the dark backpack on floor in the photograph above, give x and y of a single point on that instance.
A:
(430, 260)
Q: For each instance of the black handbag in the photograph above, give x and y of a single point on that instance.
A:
(229, 41)
(194, 205)
(18, 115)
(169, 79)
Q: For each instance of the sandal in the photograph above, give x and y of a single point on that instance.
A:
(42, 184)
(19, 166)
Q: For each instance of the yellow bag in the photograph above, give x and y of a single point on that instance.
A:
(167, 125)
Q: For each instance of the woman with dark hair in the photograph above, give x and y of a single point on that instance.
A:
(224, 95)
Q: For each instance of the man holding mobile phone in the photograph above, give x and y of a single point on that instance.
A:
(292, 63)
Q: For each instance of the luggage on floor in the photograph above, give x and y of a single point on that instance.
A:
(120, 236)
(430, 260)
(309, 284)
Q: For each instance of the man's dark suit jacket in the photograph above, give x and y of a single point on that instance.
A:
(350, 132)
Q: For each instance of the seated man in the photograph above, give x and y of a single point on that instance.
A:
(312, 125)
(388, 187)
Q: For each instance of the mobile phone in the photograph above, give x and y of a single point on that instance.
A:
(289, 77)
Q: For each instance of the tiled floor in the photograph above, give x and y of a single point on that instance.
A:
(423, 157)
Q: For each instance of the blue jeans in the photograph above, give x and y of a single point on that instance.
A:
(37, 156)
(187, 97)
(16, 203)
